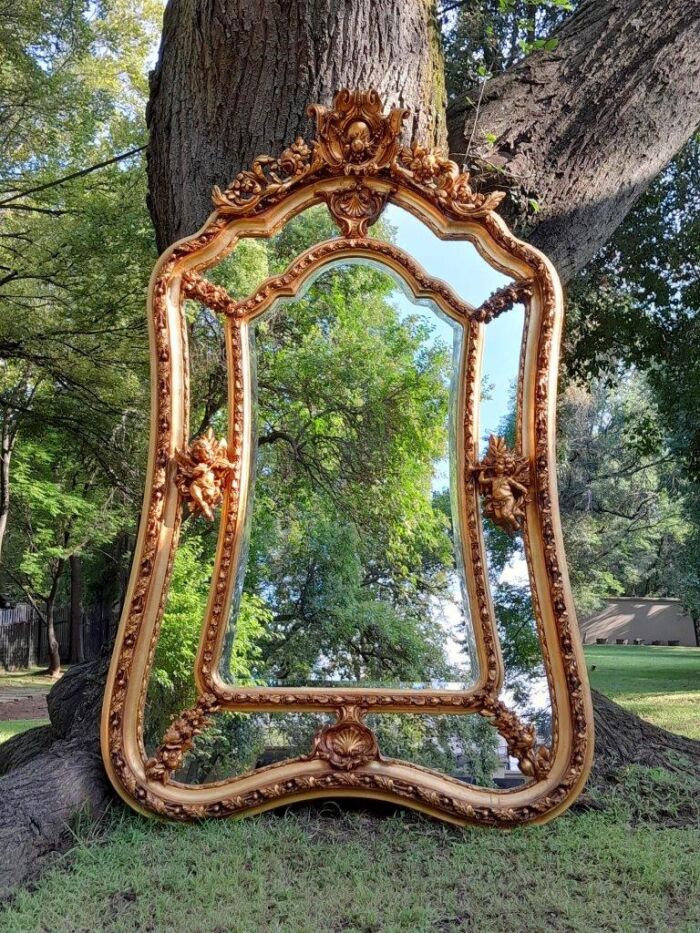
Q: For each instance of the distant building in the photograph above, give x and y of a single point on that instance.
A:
(631, 619)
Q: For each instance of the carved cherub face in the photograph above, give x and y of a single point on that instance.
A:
(202, 450)
(358, 137)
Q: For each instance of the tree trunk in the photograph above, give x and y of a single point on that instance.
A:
(50, 774)
(50, 604)
(6, 445)
(234, 80)
(585, 128)
(77, 649)
(624, 739)
(54, 647)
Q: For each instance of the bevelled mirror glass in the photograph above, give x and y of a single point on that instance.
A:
(350, 578)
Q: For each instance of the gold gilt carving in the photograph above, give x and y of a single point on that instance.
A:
(355, 208)
(504, 482)
(197, 288)
(355, 138)
(503, 300)
(202, 472)
(179, 738)
(348, 743)
(356, 165)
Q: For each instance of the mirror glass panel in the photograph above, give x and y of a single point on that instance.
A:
(526, 689)
(353, 569)
(464, 747)
(354, 560)
(456, 262)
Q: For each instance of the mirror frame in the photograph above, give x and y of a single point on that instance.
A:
(356, 166)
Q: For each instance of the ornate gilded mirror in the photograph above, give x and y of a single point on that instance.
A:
(374, 484)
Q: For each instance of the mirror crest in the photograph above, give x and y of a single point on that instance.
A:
(356, 166)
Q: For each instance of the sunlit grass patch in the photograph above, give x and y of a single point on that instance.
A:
(322, 868)
(15, 726)
(661, 684)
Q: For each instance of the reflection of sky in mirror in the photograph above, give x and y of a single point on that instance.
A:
(459, 264)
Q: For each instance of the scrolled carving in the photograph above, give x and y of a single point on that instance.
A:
(355, 137)
(503, 299)
(269, 178)
(504, 481)
(533, 759)
(197, 288)
(179, 738)
(202, 472)
(440, 179)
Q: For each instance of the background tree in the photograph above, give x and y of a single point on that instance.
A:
(75, 247)
(622, 493)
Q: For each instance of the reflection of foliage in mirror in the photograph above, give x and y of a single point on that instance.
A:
(239, 742)
(352, 414)
(349, 549)
(461, 746)
(171, 686)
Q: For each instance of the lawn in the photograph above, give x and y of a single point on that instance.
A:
(34, 677)
(327, 869)
(15, 726)
(631, 863)
(660, 684)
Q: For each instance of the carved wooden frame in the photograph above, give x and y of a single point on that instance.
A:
(356, 166)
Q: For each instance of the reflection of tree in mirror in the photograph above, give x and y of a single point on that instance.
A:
(461, 746)
(171, 687)
(351, 567)
(239, 742)
(510, 590)
(351, 544)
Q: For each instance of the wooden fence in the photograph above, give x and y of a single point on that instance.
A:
(23, 641)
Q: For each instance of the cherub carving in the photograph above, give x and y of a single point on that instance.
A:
(504, 481)
(202, 471)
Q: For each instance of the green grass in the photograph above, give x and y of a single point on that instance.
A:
(631, 864)
(15, 726)
(660, 684)
(324, 869)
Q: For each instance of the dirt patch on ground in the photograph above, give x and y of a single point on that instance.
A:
(20, 705)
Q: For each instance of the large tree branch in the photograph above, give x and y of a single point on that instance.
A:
(584, 129)
(60, 181)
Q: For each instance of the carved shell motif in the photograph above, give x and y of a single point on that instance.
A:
(346, 745)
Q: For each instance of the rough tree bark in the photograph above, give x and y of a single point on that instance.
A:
(49, 613)
(7, 441)
(585, 128)
(51, 774)
(233, 80)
